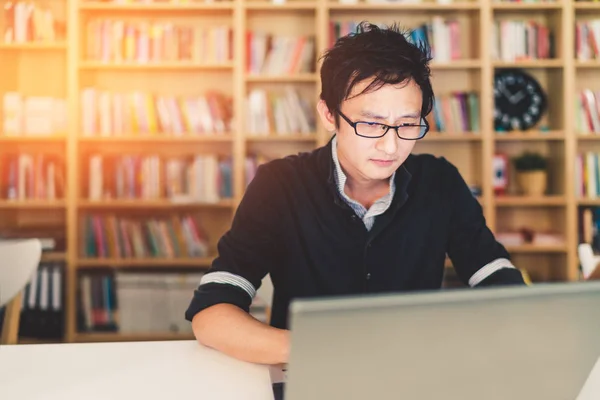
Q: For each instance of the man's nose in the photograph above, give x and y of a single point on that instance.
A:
(388, 143)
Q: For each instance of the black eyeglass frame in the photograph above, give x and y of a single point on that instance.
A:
(396, 128)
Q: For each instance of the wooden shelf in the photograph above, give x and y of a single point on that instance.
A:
(159, 139)
(529, 136)
(452, 137)
(424, 6)
(288, 6)
(151, 204)
(160, 263)
(154, 66)
(456, 64)
(283, 78)
(34, 46)
(594, 202)
(33, 138)
(54, 256)
(590, 136)
(532, 248)
(527, 201)
(587, 64)
(32, 204)
(274, 138)
(139, 7)
(586, 5)
(130, 337)
(540, 6)
(552, 63)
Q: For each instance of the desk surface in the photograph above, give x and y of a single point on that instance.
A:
(128, 370)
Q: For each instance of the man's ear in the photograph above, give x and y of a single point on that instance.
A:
(327, 118)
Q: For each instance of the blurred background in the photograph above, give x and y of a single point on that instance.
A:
(130, 129)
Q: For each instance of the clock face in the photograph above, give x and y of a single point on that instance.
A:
(519, 101)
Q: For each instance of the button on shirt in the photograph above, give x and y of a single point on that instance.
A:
(294, 224)
(379, 206)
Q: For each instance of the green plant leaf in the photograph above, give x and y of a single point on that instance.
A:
(530, 161)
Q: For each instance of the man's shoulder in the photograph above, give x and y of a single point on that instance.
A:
(294, 166)
(427, 164)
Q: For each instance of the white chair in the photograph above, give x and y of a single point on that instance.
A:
(265, 292)
(589, 261)
(19, 260)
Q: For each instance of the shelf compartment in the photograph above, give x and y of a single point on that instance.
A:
(465, 52)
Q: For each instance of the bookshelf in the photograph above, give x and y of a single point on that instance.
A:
(211, 57)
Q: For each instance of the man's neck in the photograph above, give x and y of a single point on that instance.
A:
(365, 191)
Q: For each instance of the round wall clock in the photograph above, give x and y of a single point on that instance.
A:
(519, 100)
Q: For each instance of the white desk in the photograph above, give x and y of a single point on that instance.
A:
(128, 371)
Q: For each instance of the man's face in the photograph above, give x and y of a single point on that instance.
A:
(368, 159)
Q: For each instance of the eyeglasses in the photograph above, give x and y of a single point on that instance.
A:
(375, 130)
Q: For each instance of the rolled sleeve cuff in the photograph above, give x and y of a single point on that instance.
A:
(221, 287)
(498, 272)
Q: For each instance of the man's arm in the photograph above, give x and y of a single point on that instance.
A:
(229, 329)
(478, 258)
(247, 252)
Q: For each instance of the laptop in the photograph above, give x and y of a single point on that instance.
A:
(525, 342)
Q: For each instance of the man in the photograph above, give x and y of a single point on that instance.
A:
(359, 215)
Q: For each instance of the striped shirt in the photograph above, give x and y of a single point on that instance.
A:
(379, 207)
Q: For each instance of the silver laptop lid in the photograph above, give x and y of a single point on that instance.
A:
(537, 342)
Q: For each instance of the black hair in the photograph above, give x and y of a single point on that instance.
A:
(382, 53)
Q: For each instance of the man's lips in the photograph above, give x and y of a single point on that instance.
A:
(382, 162)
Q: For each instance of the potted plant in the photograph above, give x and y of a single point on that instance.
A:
(531, 173)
